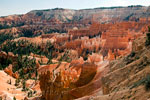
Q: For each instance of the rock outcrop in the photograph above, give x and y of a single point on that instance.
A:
(60, 20)
(105, 47)
(68, 83)
(8, 90)
(126, 76)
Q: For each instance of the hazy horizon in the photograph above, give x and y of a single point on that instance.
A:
(11, 7)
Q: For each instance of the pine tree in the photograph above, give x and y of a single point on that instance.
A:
(36, 74)
(17, 82)
(148, 37)
(14, 98)
(24, 86)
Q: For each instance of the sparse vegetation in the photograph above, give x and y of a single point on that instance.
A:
(130, 58)
(34, 92)
(24, 47)
(30, 94)
(25, 67)
(56, 31)
(4, 62)
(65, 57)
(39, 13)
(27, 33)
(6, 26)
(17, 81)
(109, 7)
(145, 81)
(24, 86)
(9, 81)
(147, 43)
(138, 83)
(14, 98)
(4, 37)
(132, 54)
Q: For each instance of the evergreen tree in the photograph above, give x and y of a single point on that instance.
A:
(24, 86)
(148, 37)
(14, 98)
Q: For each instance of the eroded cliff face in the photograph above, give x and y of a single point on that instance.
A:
(124, 79)
(56, 81)
(94, 40)
(74, 82)
(60, 20)
(8, 91)
(60, 15)
(111, 40)
(94, 76)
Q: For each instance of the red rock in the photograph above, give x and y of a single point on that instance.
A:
(8, 70)
(95, 58)
(64, 80)
(15, 75)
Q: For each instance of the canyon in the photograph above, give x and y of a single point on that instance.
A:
(63, 54)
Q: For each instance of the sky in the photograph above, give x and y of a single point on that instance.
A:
(10, 7)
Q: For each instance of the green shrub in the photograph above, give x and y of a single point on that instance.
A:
(17, 82)
(132, 54)
(147, 83)
(14, 98)
(147, 43)
(39, 13)
(4, 62)
(24, 47)
(148, 37)
(30, 94)
(65, 57)
(25, 63)
(27, 33)
(4, 37)
(14, 24)
(5, 26)
(24, 86)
